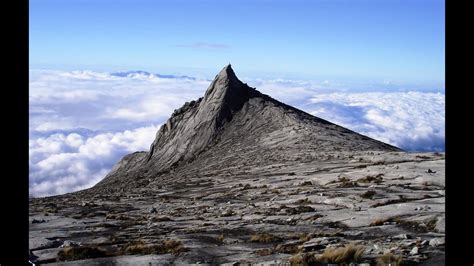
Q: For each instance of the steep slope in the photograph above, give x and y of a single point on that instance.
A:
(232, 125)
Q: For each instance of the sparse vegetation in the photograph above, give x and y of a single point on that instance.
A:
(372, 179)
(220, 238)
(264, 252)
(165, 246)
(431, 224)
(306, 237)
(423, 157)
(116, 216)
(264, 238)
(313, 217)
(302, 259)
(228, 213)
(378, 222)
(368, 194)
(79, 253)
(303, 201)
(401, 199)
(343, 179)
(426, 183)
(287, 248)
(306, 183)
(272, 211)
(421, 227)
(53, 209)
(165, 199)
(347, 254)
(299, 209)
(389, 259)
(247, 186)
(346, 182)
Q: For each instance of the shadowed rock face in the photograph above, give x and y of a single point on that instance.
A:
(197, 125)
(234, 117)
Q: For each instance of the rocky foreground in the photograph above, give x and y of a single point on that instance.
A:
(237, 177)
(390, 205)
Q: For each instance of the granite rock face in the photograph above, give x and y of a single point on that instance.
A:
(237, 177)
(234, 118)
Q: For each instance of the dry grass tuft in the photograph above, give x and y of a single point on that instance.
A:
(306, 237)
(389, 259)
(417, 226)
(378, 222)
(264, 238)
(264, 252)
(343, 179)
(302, 259)
(347, 254)
(228, 213)
(313, 217)
(288, 248)
(372, 179)
(299, 209)
(79, 253)
(368, 194)
(247, 186)
(346, 182)
(165, 246)
(114, 216)
(303, 201)
(220, 238)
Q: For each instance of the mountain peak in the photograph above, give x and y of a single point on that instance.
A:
(234, 121)
(224, 80)
(227, 72)
(225, 96)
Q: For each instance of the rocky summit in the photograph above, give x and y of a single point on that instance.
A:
(237, 177)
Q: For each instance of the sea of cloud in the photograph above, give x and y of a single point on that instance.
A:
(83, 122)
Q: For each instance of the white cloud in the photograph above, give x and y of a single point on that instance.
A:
(62, 163)
(410, 120)
(152, 107)
(83, 122)
(101, 101)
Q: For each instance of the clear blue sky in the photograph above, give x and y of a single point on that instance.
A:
(401, 41)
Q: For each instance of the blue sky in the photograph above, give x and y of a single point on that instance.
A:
(366, 41)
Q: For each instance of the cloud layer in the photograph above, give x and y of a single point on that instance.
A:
(413, 121)
(83, 122)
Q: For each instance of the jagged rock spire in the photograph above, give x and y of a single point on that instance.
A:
(233, 116)
(197, 125)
